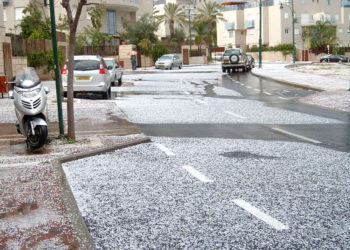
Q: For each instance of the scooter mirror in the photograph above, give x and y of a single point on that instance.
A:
(11, 94)
(47, 90)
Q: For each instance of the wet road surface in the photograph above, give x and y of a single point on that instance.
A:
(272, 94)
(233, 164)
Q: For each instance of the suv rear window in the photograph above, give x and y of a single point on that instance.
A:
(232, 51)
(84, 65)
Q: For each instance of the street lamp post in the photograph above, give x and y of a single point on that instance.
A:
(57, 70)
(260, 32)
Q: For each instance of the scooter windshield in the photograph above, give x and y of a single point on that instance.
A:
(27, 78)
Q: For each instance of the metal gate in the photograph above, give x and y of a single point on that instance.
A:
(8, 60)
(185, 57)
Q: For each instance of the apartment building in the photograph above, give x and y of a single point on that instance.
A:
(114, 12)
(241, 25)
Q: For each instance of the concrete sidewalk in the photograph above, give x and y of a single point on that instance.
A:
(283, 72)
(333, 90)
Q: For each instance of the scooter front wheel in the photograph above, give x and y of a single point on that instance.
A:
(39, 138)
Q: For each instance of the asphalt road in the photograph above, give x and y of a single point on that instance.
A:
(234, 164)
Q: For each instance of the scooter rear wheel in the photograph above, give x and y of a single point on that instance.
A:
(39, 139)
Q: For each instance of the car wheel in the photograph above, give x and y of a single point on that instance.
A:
(171, 67)
(223, 69)
(180, 66)
(64, 94)
(120, 82)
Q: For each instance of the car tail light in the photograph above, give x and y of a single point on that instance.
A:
(102, 69)
(64, 70)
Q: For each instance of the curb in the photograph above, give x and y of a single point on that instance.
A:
(288, 82)
(74, 215)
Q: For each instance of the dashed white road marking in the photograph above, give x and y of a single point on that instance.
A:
(257, 90)
(234, 114)
(248, 87)
(194, 172)
(164, 149)
(283, 98)
(296, 135)
(242, 84)
(267, 93)
(187, 93)
(260, 215)
(200, 101)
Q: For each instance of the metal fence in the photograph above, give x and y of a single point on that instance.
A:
(107, 50)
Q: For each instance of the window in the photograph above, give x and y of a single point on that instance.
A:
(336, 18)
(328, 2)
(286, 31)
(19, 14)
(111, 22)
(286, 15)
(230, 34)
(296, 31)
(251, 32)
(5, 15)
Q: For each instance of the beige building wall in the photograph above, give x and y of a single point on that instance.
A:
(277, 22)
(124, 9)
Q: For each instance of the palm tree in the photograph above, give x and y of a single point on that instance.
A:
(320, 35)
(209, 14)
(200, 28)
(173, 14)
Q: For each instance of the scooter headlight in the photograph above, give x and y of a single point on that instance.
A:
(30, 94)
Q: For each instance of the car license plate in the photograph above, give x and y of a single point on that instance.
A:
(83, 78)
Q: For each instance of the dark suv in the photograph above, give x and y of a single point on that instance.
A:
(233, 59)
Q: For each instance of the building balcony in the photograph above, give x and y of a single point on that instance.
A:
(249, 24)
(307, 22)
(229, 26)
(123, 5)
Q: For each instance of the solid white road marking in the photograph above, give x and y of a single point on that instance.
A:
(296, 135)
(194, 172)
(267, 93)
(200, 101)
(234, 114)
(164, 149)
(260, 215)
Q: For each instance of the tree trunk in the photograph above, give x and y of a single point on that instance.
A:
(70, 93)
(171, 27)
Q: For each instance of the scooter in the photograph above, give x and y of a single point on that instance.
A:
(30, 100)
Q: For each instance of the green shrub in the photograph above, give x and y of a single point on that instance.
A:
(44, 59)
(158, 50)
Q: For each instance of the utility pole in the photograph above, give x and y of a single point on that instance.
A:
(189, 24)
(57, 67)
(260, 30)
(293, 32)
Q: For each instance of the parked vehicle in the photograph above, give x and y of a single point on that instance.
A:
(251, 62)
(90, 75)
(334, 58)
(114, 70)
(168, 61)
(218, 56)
(30, 102)
(234, 59)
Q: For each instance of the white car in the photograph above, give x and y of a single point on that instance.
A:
(90, 76)
(115, 71)
(168, 61)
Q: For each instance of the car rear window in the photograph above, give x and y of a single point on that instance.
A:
(84, 65)
(109, 62)
(232, 51)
